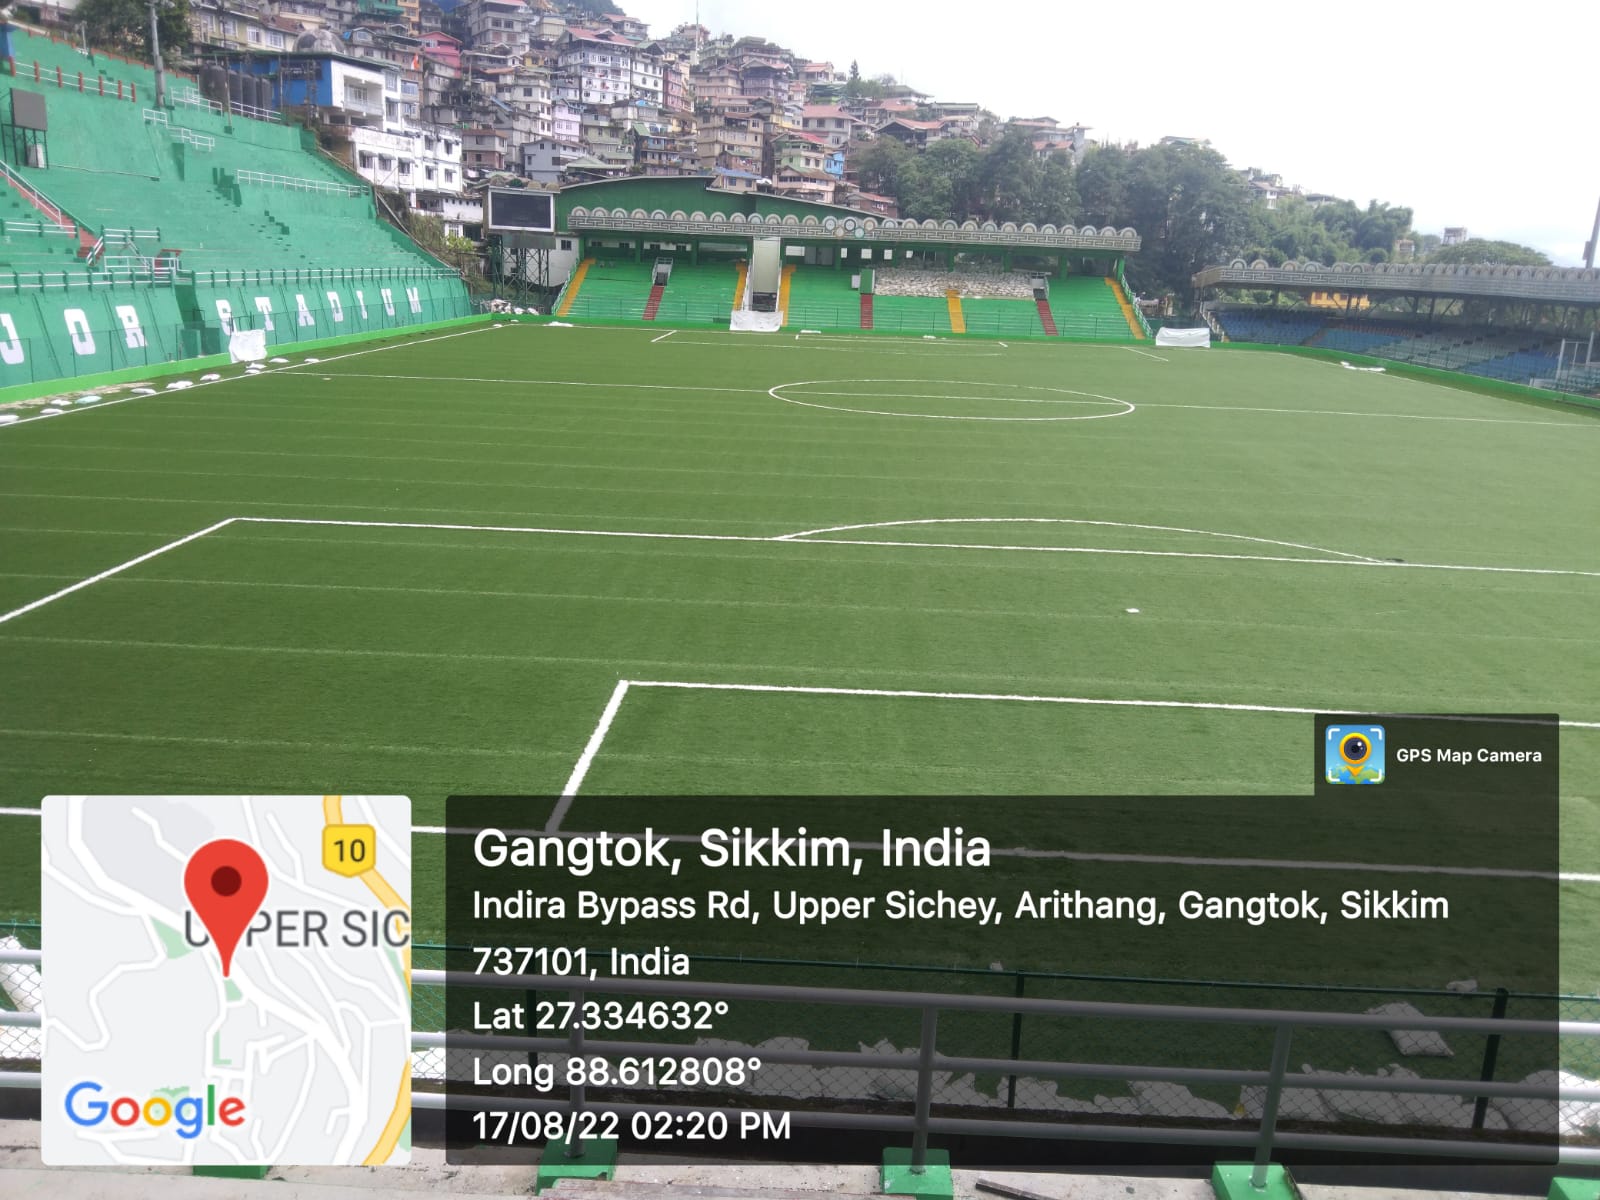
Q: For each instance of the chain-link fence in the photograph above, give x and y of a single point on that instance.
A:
(1328, 1055)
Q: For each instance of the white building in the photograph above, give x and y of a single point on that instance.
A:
(409, 158)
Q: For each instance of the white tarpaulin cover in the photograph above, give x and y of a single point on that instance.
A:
(247, 345)
(1184, 337)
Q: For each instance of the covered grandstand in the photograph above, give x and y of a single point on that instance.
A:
(1441, 316)
(843, 270)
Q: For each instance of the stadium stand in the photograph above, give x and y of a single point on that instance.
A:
(195, 221)
(1014, 318)
(1083, 306)
(911, 314)
(619, 289)
(1516, 356)
(700, 293)
(822, 298)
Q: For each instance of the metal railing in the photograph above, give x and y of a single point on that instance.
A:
(223, 277)
(76, 81)
(37, 198)
(194, 99)
(254, 113)
(200, 141)
(297, 184)
(1273, 1078)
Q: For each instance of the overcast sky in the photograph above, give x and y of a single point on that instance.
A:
(1475, 115)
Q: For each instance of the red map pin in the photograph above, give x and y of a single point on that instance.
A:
(226, 882)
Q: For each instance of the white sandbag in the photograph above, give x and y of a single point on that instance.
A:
(9, 418)
(1423, 1043)
(247, 345)
(211, 378)
(87, 400)
(22, 983)
(177, 385)
(52, 411)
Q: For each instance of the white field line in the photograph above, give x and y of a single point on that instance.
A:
(663, 337)
(250, 375)
(586, 759)
(963, 352)
(803, 537)
(1331, 412)
(788, 537)
(116, 570)
(586, 383)
(1146, 353)
(1021, 698)
(440, 379)
(619, 693)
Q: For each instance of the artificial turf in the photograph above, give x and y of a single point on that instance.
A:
(271, 656)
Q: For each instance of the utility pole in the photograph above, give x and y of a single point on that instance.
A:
(155, 56)
(1594, 236)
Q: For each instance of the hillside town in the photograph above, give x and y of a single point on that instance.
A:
(436, 99)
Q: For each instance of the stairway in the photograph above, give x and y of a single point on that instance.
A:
(571, 292)
(958, 322)
(866, 310)
(1046, 318)
(1127, 308)
(653, 305)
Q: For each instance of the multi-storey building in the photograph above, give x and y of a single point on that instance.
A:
(829, 122)
(798, 168)
(492, 24)
(731, 140)
(484, 149)
(596, 67)
(418, 160)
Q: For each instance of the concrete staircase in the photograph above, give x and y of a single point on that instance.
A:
(1046, 317)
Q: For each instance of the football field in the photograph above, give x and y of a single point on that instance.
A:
(581, 561)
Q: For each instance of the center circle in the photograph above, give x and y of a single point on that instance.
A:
(225, 881)
(835, 396)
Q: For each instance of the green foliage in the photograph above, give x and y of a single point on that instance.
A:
(1475, 251)
(125, 24)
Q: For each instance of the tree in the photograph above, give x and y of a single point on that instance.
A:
(125, 24)
(1102, 179)
(1009, 178)
(879, 165)
(941, 183)
(1481, 251)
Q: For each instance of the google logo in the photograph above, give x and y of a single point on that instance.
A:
(190, 1113)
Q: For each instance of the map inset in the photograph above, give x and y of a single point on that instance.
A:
(228, 980)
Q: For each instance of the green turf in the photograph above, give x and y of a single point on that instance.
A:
(279, 657)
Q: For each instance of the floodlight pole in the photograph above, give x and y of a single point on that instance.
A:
(1594, 236)
(155, 57)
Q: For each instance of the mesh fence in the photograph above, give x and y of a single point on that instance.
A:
(773, 1027)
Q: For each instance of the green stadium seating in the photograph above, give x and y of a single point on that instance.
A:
(701, 293)
(179, 225)
(1084, 307)
(225, 192)
(911, 314)
(822, 298)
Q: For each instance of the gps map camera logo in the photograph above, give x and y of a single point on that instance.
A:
(1353, 754)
